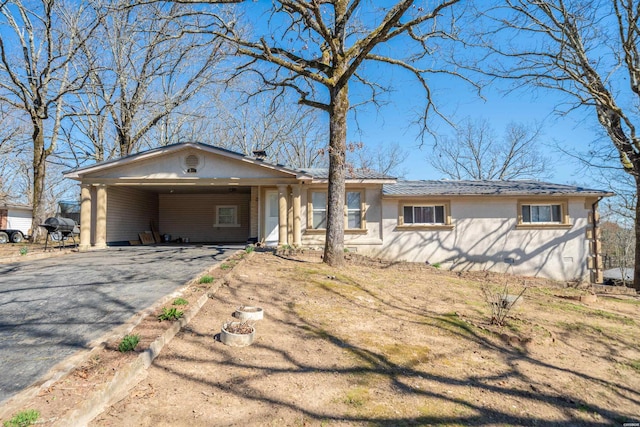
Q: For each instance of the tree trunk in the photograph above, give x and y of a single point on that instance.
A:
(124, 142)
(39, 173)
(334, 241)
(636, 269)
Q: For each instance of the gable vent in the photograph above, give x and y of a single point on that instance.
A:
(192, 161)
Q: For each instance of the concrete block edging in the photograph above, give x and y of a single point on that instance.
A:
(129, 376)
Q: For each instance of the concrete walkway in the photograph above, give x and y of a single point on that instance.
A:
(51, 308)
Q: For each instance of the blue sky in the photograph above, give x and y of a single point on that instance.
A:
(457, 100)
(392, 124)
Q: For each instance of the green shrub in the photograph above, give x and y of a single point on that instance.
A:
(170, 314)
(128, 343)
(24, 250)
(249, 249)
(23, 419)
(436, 265)
(225, 266)
(180, 301)
(206, 279)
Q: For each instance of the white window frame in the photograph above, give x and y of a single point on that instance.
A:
(544, 205)
(314, 209)
(235, 216)
(446, 223)
(564, 221)
(434, 206)
(361, 210)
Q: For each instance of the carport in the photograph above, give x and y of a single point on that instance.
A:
(189, 192)
(194, 214)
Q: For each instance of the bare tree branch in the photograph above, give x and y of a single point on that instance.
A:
(317, 49)
(38, 42)
(477, 153)
(584, 49)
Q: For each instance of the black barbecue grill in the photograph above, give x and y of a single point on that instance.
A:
(60, 230)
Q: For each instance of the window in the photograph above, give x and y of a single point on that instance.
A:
(354, 210)
(424, 214)
(541, 213)
(226, 216)
(319, 203)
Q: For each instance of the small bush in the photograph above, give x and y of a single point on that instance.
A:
(249, 249)
(206, 279)
(24, 250)
(23, 419)
(128, 343)
(500, 303)
(225, 266)
(180, 301)
(170, 314)
(436, 265)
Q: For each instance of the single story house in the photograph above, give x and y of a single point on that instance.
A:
(202, 193)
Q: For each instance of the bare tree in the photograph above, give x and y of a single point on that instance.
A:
(476, 152)
(385, 159)
(305, 145)
(617, 245)
(588, 51)
(320, 49)
(38, 41)
(14, 153)
(143, 67)
(289, 135)
(621, 207)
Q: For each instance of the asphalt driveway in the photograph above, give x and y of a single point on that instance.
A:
(51, 308)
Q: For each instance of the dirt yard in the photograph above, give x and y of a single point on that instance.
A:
(20, 252)
(378, 344)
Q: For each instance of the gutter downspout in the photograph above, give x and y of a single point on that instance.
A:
(596, 255)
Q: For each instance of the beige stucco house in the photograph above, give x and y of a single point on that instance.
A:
(200, 193)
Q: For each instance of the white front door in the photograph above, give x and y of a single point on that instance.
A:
(271, 218)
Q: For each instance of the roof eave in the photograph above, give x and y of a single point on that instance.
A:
(590, 194)
(357, 181)
(78, 174)
(23, 207)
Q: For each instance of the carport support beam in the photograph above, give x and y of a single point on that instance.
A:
(85, 217)
(101, 216)
(297, 234)
(282, 215)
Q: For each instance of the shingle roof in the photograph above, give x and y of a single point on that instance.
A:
(477, 188)
(323, 173)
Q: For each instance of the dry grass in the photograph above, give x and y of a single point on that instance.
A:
(385, 344)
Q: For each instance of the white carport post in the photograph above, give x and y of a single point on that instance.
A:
(297, 234)
(85, 217)
(282, 215)
(101, 216)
